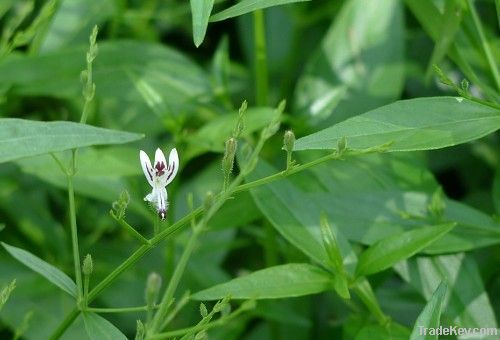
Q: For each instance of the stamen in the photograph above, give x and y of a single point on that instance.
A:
(160, 167)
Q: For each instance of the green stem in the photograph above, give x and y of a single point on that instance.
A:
(74, 236)
(86, 283)
(119, 310)
(175, 311)
(198, 327)
(166, 233)
(365, 294)
(130, 229)
(174, 281)
(484, 43)
(261, 74)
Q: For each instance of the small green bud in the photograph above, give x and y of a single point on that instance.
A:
(281, 106)
(465, 85)
(140, 332)
(153, 286)
(229, 154)
(209, 200)
(219, 305)
(120, 206)
(203, 310)
(88, 265)
(437, 204)
(240, 123)
(341, 145)
(288, 141)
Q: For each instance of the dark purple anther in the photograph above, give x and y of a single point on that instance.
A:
(160, 167)
(162, 213)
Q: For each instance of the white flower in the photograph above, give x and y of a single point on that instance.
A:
(159, 177)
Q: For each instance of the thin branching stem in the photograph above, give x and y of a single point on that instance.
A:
(180, 224)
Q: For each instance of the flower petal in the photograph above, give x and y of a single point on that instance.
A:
(162, 203)
(160, 163)
(173, 166)
(146, 166)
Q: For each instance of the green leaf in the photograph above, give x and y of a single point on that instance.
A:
(99, 328)
(247, 6)
(43, 268)
(430, 316)
(389, 251)
(24, 138)
(295, 217)
(410, 125)
(289, 280)
(359, 64)
(5, 293)
(200, 10)
(73, 22)
(468, 304)
(119, 70)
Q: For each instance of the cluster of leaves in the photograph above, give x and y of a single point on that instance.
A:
(360, 228)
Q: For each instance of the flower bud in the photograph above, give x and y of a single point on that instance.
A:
(88, 265)
(209, 200)
(341, 145)
(288, 141)
(229, 154)
(153, 286)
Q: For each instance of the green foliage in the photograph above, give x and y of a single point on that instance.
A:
(389, 251)
(410, 125)
(22, 138)
(293, 279)
(366, 210)
(429, 318)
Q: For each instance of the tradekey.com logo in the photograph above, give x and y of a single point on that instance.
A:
(464, 333)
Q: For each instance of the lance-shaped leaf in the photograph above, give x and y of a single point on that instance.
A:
(200, 11)
(98, 327)
(43, 268)
(410, 125)
(289, 280)
(391, 250)
(247, 6)
(24, 138)
(430, 316)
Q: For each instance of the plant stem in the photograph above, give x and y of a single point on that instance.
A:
(74, 237)
(130, 229)
(261, 74)
(119, 310)
(484, 43)
(198, 327)
(174, 281)
(166, 233)
(86, 283)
